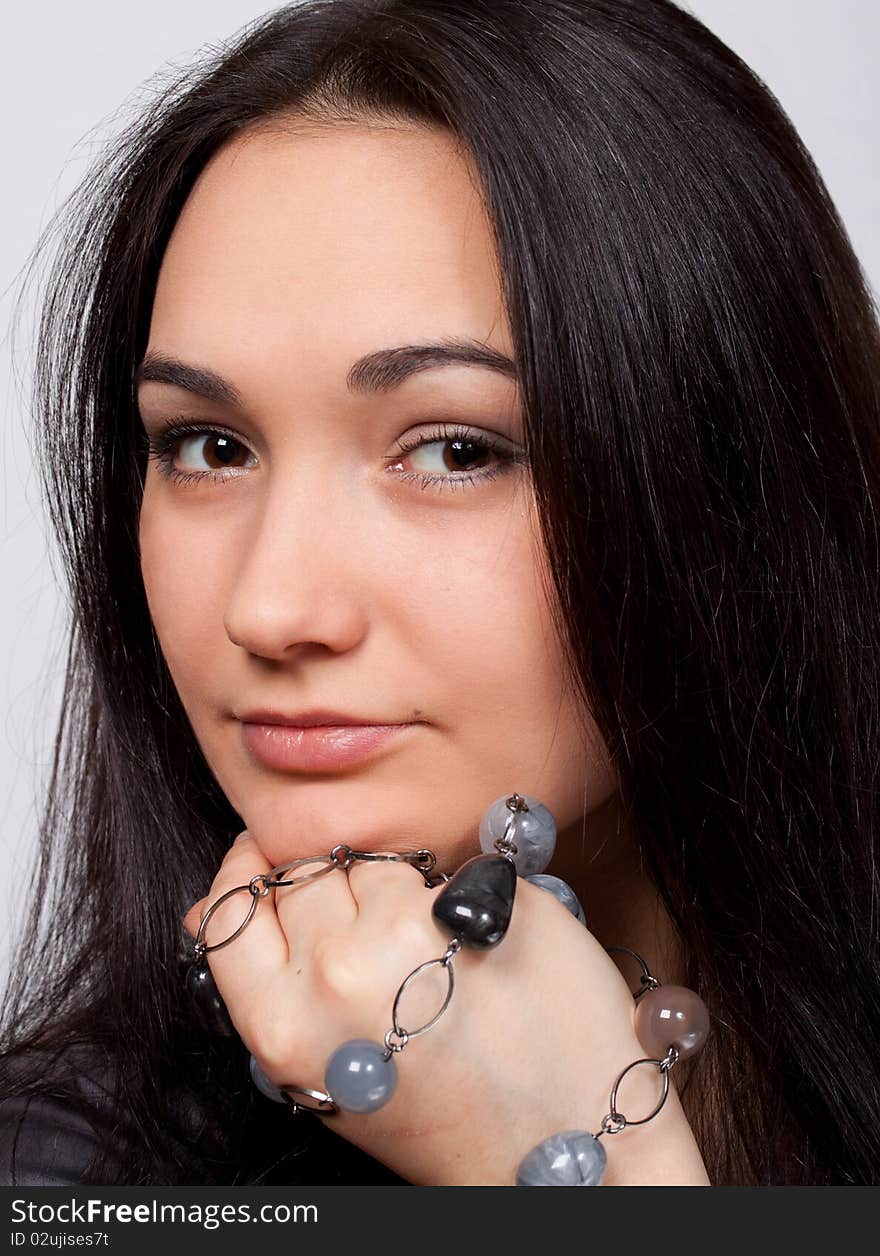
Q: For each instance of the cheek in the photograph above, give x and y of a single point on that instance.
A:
(500, 673)
(181, 571)
(485, 618)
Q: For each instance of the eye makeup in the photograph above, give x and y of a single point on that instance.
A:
(466, 442)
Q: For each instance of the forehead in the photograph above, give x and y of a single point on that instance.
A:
(327, 241)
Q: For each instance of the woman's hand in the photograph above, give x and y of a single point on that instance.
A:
(536, 1032)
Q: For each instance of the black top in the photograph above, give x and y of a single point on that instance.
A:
(49, 1140)
(46, 1143)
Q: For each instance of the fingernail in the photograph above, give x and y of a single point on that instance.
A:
(241, 837)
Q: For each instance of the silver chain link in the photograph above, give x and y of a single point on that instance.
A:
(341, 858)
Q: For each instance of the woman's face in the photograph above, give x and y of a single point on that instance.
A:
(307, 562)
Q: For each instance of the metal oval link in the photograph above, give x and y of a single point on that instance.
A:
(281, 869)
(424, 860)
(414, 1033)
(200, 936)
(665, 1074)
(648, 980)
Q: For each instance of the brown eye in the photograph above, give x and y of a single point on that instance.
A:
(453, 458)
(219, 451)
(189, 454)
(466, 455)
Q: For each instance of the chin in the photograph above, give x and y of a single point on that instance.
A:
(310, 817)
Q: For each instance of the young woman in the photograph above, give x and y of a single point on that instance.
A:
(501, 373)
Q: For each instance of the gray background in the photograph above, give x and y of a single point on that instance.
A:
(72, 74)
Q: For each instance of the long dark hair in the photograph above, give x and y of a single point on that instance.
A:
(699, 362)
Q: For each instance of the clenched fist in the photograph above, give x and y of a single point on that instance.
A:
(536, 1031)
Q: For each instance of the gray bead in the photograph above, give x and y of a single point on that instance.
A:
(533, 832)
(262, 1083)
(562, 890)
(358, 1077)
(570, 1158)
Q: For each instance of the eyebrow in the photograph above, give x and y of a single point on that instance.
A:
(376, 372)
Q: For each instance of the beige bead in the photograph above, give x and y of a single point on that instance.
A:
(671, 1016)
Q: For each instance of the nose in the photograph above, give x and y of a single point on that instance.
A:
(299, 575)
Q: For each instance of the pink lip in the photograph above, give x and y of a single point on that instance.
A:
(319, 748)
(305, 719)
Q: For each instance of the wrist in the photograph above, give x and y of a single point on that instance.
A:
(663, 1152)
(594, 1143)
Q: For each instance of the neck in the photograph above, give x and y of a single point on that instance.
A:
(600, 859)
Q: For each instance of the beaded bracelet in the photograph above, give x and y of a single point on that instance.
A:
(475, 905)
(518, 836)
(672, 1023)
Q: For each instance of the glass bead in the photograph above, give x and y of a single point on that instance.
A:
(533, 832)
(207, 1000)
(569, 1158)
(262, 1083)
(560, 890)
(671, 1016)
(358, 1076)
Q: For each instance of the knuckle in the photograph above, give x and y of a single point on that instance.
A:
(341, 970)
(411, 935)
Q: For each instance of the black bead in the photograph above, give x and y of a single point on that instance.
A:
(477, 902)
(207, 1000)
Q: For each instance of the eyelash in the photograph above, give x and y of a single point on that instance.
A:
(161, 447)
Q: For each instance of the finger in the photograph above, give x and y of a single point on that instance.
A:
(396, 934)
(314, 905)
(392, 898)
(261, 946)
(193, 917)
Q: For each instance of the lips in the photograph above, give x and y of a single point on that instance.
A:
(309, 719)
(317, 747)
